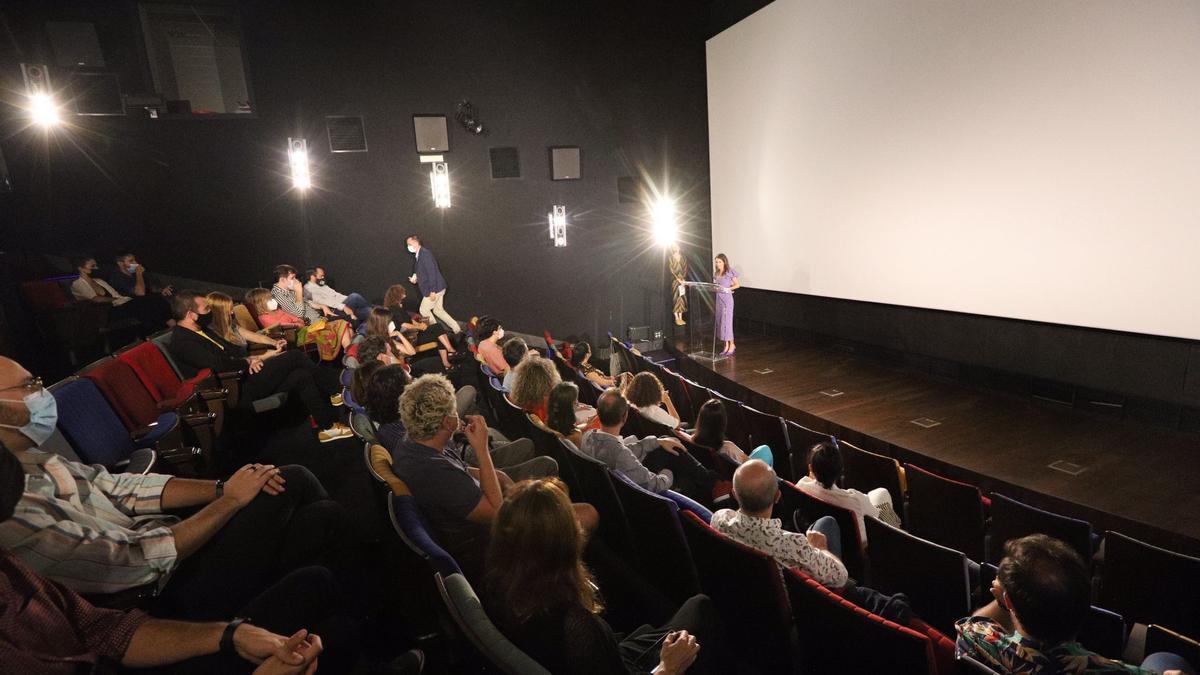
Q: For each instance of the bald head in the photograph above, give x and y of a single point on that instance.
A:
(13, 412)
(755, 486)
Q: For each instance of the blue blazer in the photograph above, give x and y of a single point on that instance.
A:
(429, 277)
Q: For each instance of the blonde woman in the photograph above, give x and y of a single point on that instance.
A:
(330, 337)
(225, 325)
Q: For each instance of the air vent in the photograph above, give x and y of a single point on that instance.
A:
(346, 134)
(506, 163)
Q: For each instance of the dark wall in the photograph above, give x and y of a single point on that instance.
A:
(623, 80)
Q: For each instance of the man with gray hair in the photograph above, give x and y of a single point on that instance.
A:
(757, 490)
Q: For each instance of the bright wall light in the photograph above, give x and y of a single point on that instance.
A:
(558, 224)
(662, 214)
(41, 105)
(298, 159)
(439, 182)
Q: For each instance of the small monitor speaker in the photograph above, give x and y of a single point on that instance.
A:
(431, 133)
(564, 163)
(346, 133)
(506, 163)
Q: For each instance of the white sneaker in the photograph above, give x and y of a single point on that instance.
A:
(338, 430)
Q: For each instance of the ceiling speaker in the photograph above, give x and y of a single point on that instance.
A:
(506, 163)
(431, 133)
(564, 163)
(346, 133)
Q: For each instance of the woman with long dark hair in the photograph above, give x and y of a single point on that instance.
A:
(711, 422)
(581, 357)
(560, 412)
(380, 324)
(727, 278)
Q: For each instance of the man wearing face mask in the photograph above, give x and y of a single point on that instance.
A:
(428, 278)
(97, 532)
(353, 307)
(131, 279)
(196, 348)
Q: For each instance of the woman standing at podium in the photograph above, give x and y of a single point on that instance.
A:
(725, 277)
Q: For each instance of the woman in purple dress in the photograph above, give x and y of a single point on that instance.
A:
(726, 277)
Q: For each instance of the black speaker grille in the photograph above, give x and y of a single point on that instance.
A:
(506, 163)
(346, 134)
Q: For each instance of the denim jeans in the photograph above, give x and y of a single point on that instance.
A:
(827, 526)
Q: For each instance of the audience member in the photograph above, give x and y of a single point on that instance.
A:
(532, 381)
(360, 382)
(515, 350)
(581, 360)
(824, 470)
(374, 349)
(544, 599)
(645, 392)
(656, 464)
(817, 552)
(267, 312)
(420, 332)
(711, 422)
(488, 334)
(97, 532)
(428, 278)
(560, 412)
(196, 347)
(382, 402)
(149, 311)
(353, 307)
(321, 327)
(379, 324)
(130, 278)
(49, 628)
(1041, 595)
(226, 326)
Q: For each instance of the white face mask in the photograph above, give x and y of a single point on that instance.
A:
(133, 267)
(499, 335)
(272, 304)
(43, 416)
(391, 326)
(412, 249)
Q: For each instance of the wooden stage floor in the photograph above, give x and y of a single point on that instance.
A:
(1141, 480)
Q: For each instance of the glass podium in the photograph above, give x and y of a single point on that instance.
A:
(702, 327)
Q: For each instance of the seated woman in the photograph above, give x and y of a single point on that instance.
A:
(646, 393)
(825, 469)
(382, 401)
(581, 355)
(488, 334)
(560, 412)
(419, 332)
(359, 381)
(543, 598)
(151, 311)
(710, 433)
(379, 324)
(330, 337)
(225, 325)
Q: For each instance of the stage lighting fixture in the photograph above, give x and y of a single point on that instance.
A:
(298, 159)
(663, 216)
(439, 181)
(41, 105)
(467, 118)
(558, 225)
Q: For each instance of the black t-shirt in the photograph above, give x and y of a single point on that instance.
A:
(194, 352)
(569, 639)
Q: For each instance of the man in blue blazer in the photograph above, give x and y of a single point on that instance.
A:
(428, 278)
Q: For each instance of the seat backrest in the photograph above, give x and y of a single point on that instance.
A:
(125, 392)
(410, 526)
(747, 589)
(801, 439)
(736, 428)
(1148, 584)
(43, 296)
(163, 342)
(153, 369)
(1012, 519)
(467, 612)
(945, 511)
(361, 425)
(379, 465)
(1103, 632)
(686, 503)
(934, 578)
(838, 637)
(673, 383)
(89, 424)
(658, 536)
(792, 500)
(769, 430)
(865, 470)
(596, 488)
(244, 318)
(1162, 639)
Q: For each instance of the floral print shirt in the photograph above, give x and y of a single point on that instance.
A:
(986, 641)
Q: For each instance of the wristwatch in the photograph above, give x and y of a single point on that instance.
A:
(227, 635)
(220, 488)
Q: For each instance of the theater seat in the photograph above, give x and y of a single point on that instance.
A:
(410, 526)
(1012, 519)
(1148, 584)
(948, 512)
(473, 623)
(797, 509)
(93, 429)
(935, 578)
(659, 539)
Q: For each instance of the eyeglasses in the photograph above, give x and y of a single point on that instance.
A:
(32, 384)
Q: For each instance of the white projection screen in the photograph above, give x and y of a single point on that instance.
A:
(1031, 159)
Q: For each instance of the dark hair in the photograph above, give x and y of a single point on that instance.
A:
(319, 267)
(535, 556)
(395, 295)
(80, 260)
(611, 407)
(578, 351)
(182, 302)
(710, 424)
(310, 272)
(724, 259)
(283, 271)
(122, 253)
(485, 327)
(362, 375)
(370, 349)
(413, 237)
(514, 350)
(383, 394)
(1048, 586)
(826, 461)
(560, 411)
(645, 389)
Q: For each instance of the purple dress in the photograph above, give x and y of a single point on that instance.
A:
(724, 306)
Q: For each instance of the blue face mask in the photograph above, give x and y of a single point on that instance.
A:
(43, 416)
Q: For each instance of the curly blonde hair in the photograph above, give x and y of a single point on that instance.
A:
(427, 401)
(533, 379)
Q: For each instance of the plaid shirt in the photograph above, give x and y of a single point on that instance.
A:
(987, 641)
(91, 531)
(45, 628)
(287, 302)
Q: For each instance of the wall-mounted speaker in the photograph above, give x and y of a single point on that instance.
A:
(346, 133)
(506, 163)
(431, 133)
(564, 163)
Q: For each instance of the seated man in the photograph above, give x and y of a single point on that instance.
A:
(757, 490)
(130, 278)
(514, 351)
(289, 293)
(97, 532)
(195, 348)
(656, 464)
(824, 470)
(459, 501)
(353, 306)
(1042, 594)
(49, 628)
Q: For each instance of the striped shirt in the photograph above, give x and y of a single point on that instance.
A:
(287, 302)
(91, 531)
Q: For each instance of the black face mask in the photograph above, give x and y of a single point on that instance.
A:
(12, 483)
(203, 320)
(320, 282)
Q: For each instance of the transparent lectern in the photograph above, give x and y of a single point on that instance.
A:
(702, 329)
